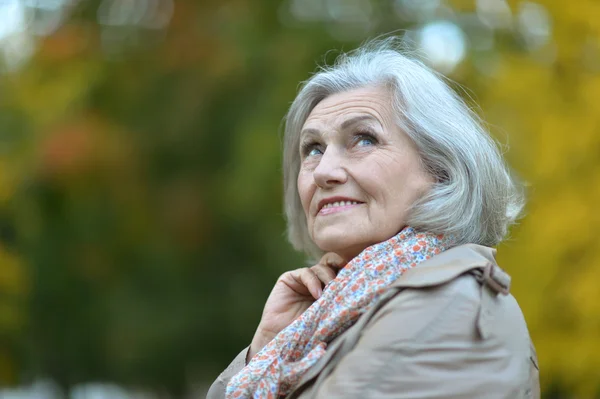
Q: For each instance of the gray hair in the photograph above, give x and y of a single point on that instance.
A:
(474, 196)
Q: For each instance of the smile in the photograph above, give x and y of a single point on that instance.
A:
(338, 206)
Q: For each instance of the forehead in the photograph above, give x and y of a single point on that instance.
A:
(334, 109)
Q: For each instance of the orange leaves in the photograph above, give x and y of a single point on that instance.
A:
(69, 150)
(70, 41)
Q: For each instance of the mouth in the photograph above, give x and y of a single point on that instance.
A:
(333, 205)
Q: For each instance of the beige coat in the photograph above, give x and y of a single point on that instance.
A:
(444, 329)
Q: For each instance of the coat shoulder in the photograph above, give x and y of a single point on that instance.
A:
(466, 323)
(465, 283)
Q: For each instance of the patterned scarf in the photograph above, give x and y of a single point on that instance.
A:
(279, 366)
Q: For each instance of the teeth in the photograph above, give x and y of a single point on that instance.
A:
(340, 203)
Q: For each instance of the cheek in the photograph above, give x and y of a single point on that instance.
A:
(396, 186)
(407, 191)
(305, 190)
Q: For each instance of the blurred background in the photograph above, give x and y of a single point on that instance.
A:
(141, 223)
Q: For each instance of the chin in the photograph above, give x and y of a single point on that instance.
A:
(341, 244)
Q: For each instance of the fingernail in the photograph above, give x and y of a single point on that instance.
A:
(320, 292)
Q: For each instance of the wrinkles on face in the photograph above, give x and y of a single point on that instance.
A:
(372, 161)
(327, 116)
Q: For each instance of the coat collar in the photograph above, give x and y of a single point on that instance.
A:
(446, 266)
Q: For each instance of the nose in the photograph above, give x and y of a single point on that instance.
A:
(330, 171)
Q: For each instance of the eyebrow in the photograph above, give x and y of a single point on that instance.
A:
(347, 123)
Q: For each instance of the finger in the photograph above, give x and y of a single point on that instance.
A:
(324, 273)
(310, 280)
(293, 281)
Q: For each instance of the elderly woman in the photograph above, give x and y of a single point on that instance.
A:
(393, 183)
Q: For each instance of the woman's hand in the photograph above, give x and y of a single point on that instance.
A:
(293, 293)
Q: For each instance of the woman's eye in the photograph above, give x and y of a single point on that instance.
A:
(313, 152)
(365, 140)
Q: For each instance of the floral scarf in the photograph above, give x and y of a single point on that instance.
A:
(279, 366)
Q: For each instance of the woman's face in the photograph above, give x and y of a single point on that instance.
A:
(359, 172)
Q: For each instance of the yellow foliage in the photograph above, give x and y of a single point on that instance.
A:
(8, 374)
(555, 139)
(13, 280)
(7, 184)
(46, 94)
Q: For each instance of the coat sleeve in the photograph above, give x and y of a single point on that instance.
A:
(425, 344)
(217, 389)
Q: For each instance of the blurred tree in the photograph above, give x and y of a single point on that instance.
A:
(140, 214)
